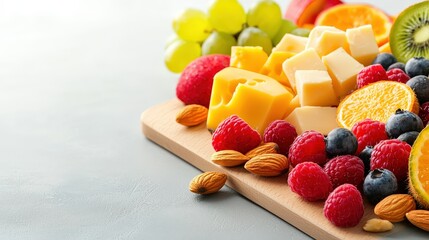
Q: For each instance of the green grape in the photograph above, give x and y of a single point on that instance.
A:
(266, 15)
(171, 39)
(227, 16)
(180, 53)
(286, 27)
(218, 42)
(192, 25)
(303, 32)
(252, 36)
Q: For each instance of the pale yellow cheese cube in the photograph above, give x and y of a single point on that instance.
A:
(305, 60)
(343, 70)
(291, 43)
(314, 88)
(362, 43)
(321, 119)
(325, 39)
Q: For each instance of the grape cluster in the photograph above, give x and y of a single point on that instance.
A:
(225, 24)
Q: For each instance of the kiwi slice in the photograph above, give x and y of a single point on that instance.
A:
(409, 35)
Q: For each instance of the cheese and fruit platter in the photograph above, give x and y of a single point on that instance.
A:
(318, 114)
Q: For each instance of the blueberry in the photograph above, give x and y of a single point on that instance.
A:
(403, 121)
(341, 141)
(417, 66)
(420, 86)
(409, 137)
(399, 65)
(365, 156)
(385, 59)
(378, 184)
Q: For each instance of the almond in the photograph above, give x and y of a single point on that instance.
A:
(419, 218)
(229, 158)
(394, 207)
(192, 115)
(208, 182)
(268, 165)
(377, 225)
(269, 147)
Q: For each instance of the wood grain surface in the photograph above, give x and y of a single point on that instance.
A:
(194, 146)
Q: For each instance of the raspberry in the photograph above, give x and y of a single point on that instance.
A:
(392, 154)
(195, 82)
(345, 169)
(282, 133)
(308, 147)
(368, 133)
(344, 206)
(397, 75)
(371, 74)
(309, 181)
(234, 133)
(424, 113)
(385, 59)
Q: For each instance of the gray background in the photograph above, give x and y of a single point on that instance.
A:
(74, 78)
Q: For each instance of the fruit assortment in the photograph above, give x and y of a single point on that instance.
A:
(370, 147)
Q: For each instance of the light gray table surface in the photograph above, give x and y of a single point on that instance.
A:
(74, 78)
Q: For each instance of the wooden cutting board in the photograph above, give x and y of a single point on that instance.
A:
(194, 146)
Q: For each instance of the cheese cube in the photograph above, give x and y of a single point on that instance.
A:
(314, 88)
(291, 43)
(254, 97)
(343, 70)
(248, 58)
(321, 119)
(273, 66)
(363, 46)
(325, 39)
(294, 103)
(305, 60)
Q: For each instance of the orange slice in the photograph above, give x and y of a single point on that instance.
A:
(346, 16)
(418, 168)
(385, 48)
(376, 101)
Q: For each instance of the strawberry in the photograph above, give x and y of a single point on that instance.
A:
(196, 81)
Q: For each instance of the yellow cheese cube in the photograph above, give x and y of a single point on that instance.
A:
(273, 66)
(291, 43)
(248, 58)
(362, 43)
(254, 97)
(321, 119)
(314, 88)
(343, 70)
(305, 60)
(294, 103)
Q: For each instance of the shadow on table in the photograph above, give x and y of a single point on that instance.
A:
(222, 195)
